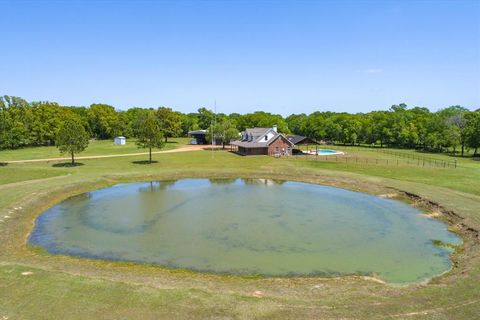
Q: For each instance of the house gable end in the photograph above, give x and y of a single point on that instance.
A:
(269, 133)
(284, 139)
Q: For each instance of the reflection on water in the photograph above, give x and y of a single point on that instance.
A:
(249, 226)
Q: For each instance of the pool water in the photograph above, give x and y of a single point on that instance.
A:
(327, 152)
(249, 227)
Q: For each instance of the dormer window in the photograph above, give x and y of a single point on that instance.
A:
(266, 138)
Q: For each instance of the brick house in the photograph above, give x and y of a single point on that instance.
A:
(263, 141)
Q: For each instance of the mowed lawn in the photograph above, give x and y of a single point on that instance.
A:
(35, 285)
(95, 148)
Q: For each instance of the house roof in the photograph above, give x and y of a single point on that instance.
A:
(247, 144)
(257, 131)
(197, 132)
(254, 144)
(295, 139)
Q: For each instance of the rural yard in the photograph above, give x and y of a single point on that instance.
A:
(34, 282)
(249, 159)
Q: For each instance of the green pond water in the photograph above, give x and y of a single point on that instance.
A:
(249, 227)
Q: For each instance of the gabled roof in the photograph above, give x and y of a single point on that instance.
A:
(258, 134)
(258, 143)
(257, 131)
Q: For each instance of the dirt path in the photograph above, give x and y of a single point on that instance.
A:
(187, 148)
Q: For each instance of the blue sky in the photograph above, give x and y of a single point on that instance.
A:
(277, 56)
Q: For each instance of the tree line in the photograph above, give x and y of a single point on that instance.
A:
(453, 129)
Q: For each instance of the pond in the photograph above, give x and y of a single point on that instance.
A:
(249, 227)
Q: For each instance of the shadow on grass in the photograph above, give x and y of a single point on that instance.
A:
(144, 162)
(3, 164)
(67, 165)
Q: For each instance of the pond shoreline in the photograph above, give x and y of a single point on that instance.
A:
(453, 219)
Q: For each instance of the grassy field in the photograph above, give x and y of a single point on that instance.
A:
(36, 285)
(95, 148)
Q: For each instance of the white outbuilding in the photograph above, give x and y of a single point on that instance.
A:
(120, 141)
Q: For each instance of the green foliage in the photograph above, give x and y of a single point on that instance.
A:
(170, 122)
(205, 118)
(472, 129)
(15, 123)
(189, 122)
(262, 120)
(223, 132)
(104, 121)
(72, 137)
(150, 133)
(46, 121)
(451, 129)
(398, 127)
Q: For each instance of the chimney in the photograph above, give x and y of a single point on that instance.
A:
(274, 127)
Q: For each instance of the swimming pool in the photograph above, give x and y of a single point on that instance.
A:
(325, 152)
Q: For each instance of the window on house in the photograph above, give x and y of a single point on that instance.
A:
(266, 138)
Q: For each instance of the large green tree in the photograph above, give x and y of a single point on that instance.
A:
(16, 123)
(46, 120)
(150, 133)
(473, 130)
(455, 118)
(72, 137)
(170, 122)
(224, 131)
(205, 118)
(104, 121)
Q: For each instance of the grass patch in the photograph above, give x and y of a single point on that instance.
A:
(95, 148)
(75, 288)
(11, 174)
